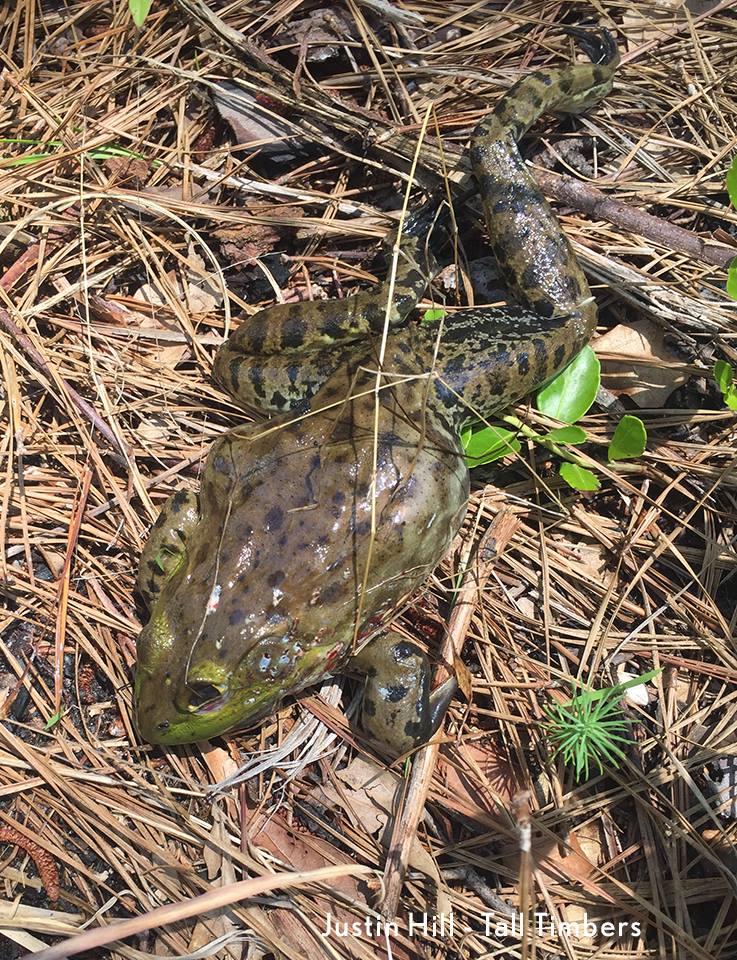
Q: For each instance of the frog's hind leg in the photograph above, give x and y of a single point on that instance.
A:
(283, 355)
(533, 252)
(398, 708)
(490, 357)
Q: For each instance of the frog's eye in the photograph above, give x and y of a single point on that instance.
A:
(168, 561)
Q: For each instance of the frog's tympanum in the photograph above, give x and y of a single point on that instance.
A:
(310, 529)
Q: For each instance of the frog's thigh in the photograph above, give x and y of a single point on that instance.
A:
(166, 543)
(398, 708)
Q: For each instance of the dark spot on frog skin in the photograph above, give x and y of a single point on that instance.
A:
(275, 578)
(338, 496)
(274, 519)
(413, 730)
(283, 540)
(235, 369)
(395, 693)
(279, 401)
(560, 352)
(403, 650)
(256, 376)
(369, 707)
(502, 356)
(515, 204)
(330, 593)
(177, 502)
(541, 354)
(236, 616)
(543, 307)
(523, 363)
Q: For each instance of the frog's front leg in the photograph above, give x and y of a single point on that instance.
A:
(166, 544)
(398, 707)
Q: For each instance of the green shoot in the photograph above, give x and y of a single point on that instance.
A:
(589, 729)
(99, 153)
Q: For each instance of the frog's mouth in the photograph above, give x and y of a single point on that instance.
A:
(207, 698)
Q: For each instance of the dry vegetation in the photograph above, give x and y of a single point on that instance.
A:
(108, 406)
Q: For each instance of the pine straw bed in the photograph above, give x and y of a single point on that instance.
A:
(108, 406)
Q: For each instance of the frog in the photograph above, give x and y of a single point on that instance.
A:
(312, 527)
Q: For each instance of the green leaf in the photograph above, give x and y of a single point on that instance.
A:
(732, 181)
(636, 681)
(566, 435)
(732, 279)
(53, 720)
(723, 374)
(730, 397)
(433, 315)
(486, 444)
(25, 161)
(579, 477)
(629, 439)
(569, 395)
(139, 10)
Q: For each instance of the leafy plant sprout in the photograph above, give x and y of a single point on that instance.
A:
(589, 729)
(566, 398)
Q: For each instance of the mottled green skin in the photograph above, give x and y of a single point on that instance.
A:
(258, 586)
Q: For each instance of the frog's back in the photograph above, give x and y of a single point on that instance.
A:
(364, 479)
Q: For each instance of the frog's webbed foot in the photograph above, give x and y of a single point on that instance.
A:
(166, 544)
(398, 708)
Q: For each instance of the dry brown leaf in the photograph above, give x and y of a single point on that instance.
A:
(200, 293)
(371, 797)
(636, 361)
(318, 32)
(307, 852)
(153, 429)
(130, 172)
(256, 122)
(495, 769)
(588, 561)
(244, 241)
(562, 860)
(643, 26)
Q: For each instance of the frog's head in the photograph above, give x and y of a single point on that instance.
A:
(232, 631)
(225, 681)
